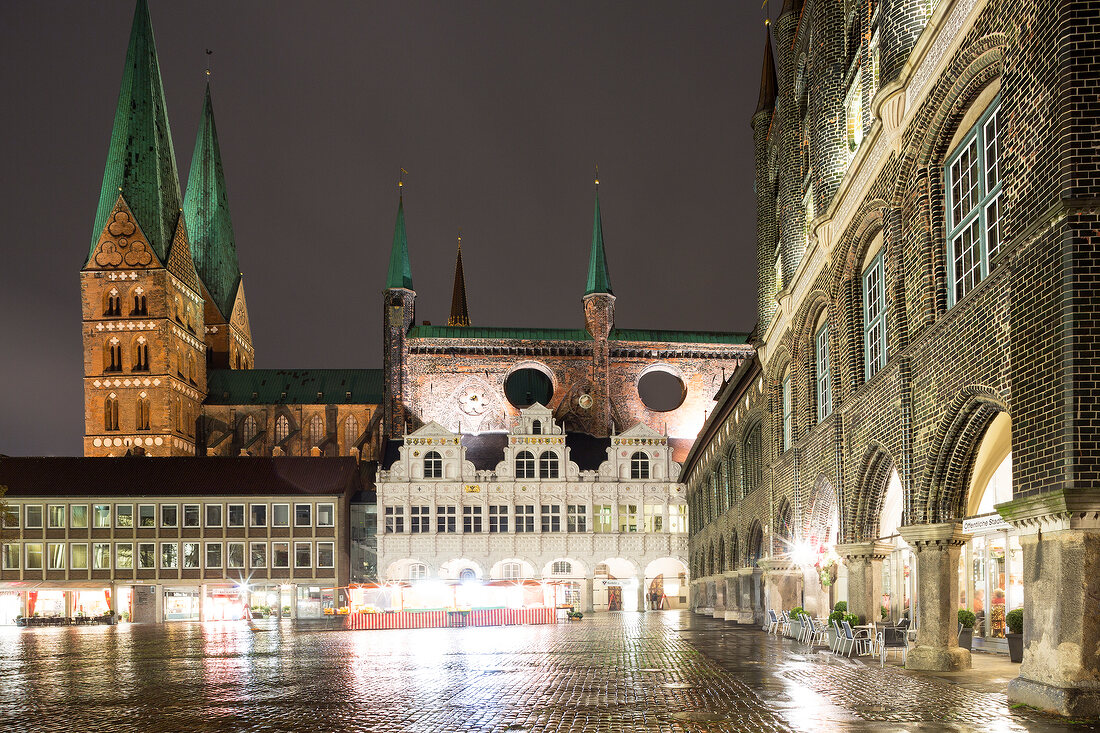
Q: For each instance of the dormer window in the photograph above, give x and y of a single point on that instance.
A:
(525, 464)
(433, 465)
(639, 465)
(536, 427)
(548, 465)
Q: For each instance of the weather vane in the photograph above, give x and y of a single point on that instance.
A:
(401, 178)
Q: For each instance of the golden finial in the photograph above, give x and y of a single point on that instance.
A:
(597, 174)
(460, 239)
(209, 53)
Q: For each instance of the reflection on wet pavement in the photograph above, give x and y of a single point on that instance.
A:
(667, 671)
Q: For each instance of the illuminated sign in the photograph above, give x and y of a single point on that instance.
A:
(986, 523)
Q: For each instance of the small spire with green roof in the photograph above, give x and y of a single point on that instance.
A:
(400, 273)
(598, 279)
(141, 163)
(206, 210)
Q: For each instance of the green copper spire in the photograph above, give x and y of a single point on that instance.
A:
(400, 274)
(598, 279)
(206, 209)
(141, 164)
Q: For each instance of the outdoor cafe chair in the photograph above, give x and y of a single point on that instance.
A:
(785, 623)
(893, 637)
(838, 636)
(858, 642)
(773, 621)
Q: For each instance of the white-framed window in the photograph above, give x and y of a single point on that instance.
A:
(191, 559)
(824, 393)
(525, 464)
(973, 183)
(561, 567)
(303, 515)
(258, 515)
(234, 515)
(56, 516)
(10, 556)
(628, 517)
(602, 518)
(445, 518)
(536, 427)
(639, 465)
(32, 516)
(548, 465)
(124, 515)
(654, 517)
(169, 515)
(326, 555)
(394, 519)
(471, 519)
(257, 555)
(326, 515)
(303, 552)
(853, 113)
(420, 519)
(124, 556)
(34, 555)
(678, 518)
(874, 317)
(525, 517)
(418, 571)
(192, 515)
(147, 515)
(577, 518)
(511, 571)
(551, 517)
(213, 554)
(214, 516)
(147, 555)
(280, 515)
(280, 554)
(169, 555)
(101, 516)
(433, 464)
(78, 556)
(788, 412)
(498, 517)
(234, 554)
(56, 555)
(101, 556)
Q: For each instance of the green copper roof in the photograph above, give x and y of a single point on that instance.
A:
(598, 279)
(294, 386)
(206, 209)
(400, 274)
(677, 337)
(141, 164)
(479, 332)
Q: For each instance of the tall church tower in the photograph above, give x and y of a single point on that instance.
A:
(144, 351)
(228, 335)
(599, 319)
(399, 313)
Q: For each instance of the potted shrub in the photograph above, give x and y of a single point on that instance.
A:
(796, 621)
(575, 615)
(1014, 620)
(966, 628)
(837, 615)
(885, 612)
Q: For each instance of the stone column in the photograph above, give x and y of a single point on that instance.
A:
(641, 594)
(733, 596)
(937, 548)
(68, 596)
(782, 585)
(113, 605)
(586, 596)
(719, 608)
(864, 563)
(751, 607)
(1061, 666)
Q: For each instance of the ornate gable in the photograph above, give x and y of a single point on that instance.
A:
(122, 244)
(431, 430)
(641, 430)
(239, 318)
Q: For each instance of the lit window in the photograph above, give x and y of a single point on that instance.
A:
(788, 412)
(602, 518)
(124, 556)
(525, 464)
(639, 465)
(101, 516)
(101, 556)
(326, 555)
(824, 394)
(394, 519)
(169, 555)
(511, 571)
(433, 465)
(147, 515)
(654, 517)
(548, 465)
(974, 204)
(78, 516)
(56, 517)
(190, 555)
(11, 557)
(282, 428)
(124, 515)
(257, 555)
(57, 555)
(418, 571)
(628, 517)
(874, 317)
(147, 555)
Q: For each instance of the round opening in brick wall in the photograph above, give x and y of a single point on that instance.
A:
(524, 387)
(661, 391)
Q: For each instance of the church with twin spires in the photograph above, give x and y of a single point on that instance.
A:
(170, 364)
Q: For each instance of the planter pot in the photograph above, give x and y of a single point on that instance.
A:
(796, 629)
(966, 637)
(1015, 647)
(831, 635)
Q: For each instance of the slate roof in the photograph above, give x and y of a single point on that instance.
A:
(206, 209)
(144, 476)
(767, 76)
(294, 386)
(141, 162)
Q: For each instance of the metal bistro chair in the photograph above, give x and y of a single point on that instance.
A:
(773, 621)
(806, 630)
(855, 642)
(893, 637)
(818, 634)
(838, 636)
(785, 624)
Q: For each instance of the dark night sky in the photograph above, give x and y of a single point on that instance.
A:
(498, 110)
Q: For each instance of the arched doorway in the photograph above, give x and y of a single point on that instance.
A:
(616, 586)
(899, 567)
(666, 584)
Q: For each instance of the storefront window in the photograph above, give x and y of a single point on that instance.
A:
(181, 604)
(309, 602)
(997, 577)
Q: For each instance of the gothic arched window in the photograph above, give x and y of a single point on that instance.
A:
(525, 464)
(548, 465)
(110, 413)
(143, 413)
(112, 356)
(282, 428)
(248, 430)
(113, 304)
(351, 431)
(433, 465)
(316, 430)
(139, 303)
(141, 354)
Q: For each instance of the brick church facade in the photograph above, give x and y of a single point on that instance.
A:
(918, 422)
(170, 366)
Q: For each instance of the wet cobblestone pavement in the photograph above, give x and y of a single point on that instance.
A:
(660, 671)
